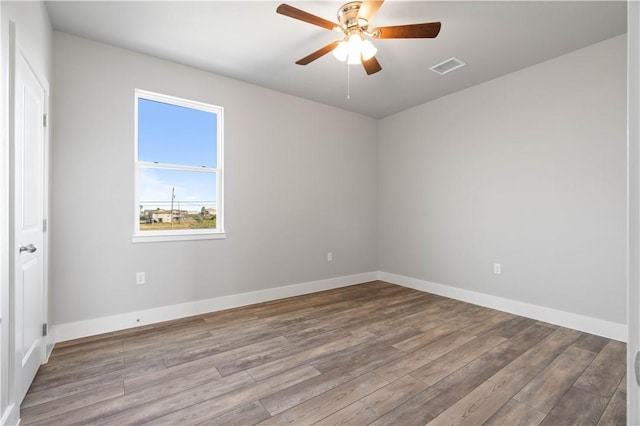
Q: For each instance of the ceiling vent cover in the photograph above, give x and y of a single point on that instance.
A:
(447, 66)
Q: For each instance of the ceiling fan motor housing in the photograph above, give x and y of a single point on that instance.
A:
(348, 16)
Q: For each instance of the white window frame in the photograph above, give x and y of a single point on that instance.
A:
(181, 234)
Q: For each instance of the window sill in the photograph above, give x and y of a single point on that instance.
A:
(173, 236)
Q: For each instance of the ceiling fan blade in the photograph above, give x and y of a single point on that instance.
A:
(371, 66)
(427, 30)
(318, 53)
(369, 8)
(292, 12)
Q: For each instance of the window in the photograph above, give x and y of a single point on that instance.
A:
(178, 169)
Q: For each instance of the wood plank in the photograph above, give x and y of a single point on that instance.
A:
(178, 371)
(582, 407)
(386, 326)
(161, 350)
(225, 356)
(241, 363)
(213, 407)
(92, 413)
(546, 389)
(372, 357)
(285, 399)
(476, 407)
(516, 345)
(512, 327)
(549, 348)
(515, 413)
(112, 336)
(63, 405)
(592, 343)
(376, 404)
(487, 325)
(426, 337)
(249, 414)
(514, 376)
(323, 405)
(623, 383)
(162, 405)
(616, 411)
(416, 359)
(604, 373)
(283, 364)
(485, 400)
(352, 355)
(45, 380)
(89, 349)
(36, 397)
(314, 336)
(441, 367)
(428, 404)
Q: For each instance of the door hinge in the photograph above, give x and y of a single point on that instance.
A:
(44, 225)
(44, 329)
(44, 120)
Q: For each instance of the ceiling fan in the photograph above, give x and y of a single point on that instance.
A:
(353, 18)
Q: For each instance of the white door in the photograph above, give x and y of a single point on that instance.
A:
(28, 187)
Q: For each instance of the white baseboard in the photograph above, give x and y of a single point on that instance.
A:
(91, 327)
(583, 323)
(49, 342)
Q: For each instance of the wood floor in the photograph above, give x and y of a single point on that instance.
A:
(374, 353)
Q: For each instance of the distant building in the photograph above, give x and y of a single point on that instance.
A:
(164, 216)
(208, 211)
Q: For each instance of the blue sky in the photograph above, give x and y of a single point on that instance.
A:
(173, 134)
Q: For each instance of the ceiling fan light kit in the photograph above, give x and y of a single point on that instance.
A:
(354, 18)
(354, 48)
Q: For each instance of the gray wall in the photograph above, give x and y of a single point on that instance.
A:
(300, 181)
(527, 170)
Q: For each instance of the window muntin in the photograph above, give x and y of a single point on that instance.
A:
(178, 168)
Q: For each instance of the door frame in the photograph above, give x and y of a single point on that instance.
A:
(633, 205)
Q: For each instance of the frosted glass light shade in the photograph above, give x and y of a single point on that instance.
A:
(341, 52)
(368, 50)
(355, 47)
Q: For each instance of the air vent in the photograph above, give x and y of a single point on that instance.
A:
(447, 66)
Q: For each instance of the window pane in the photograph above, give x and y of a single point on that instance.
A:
(189, 195)
(176, 135)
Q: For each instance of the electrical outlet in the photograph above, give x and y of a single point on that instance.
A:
(497, 268)
(140, 278)
(329, 257)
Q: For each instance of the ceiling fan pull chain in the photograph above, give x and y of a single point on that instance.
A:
(348, 82)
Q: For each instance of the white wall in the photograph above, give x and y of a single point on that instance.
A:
(527, 170)
(300, 181)
(33, 34)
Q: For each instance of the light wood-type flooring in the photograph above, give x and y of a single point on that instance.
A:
(373, 353)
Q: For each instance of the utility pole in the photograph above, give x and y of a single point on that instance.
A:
(173, 197)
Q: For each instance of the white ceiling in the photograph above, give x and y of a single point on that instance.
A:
(248, 41)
